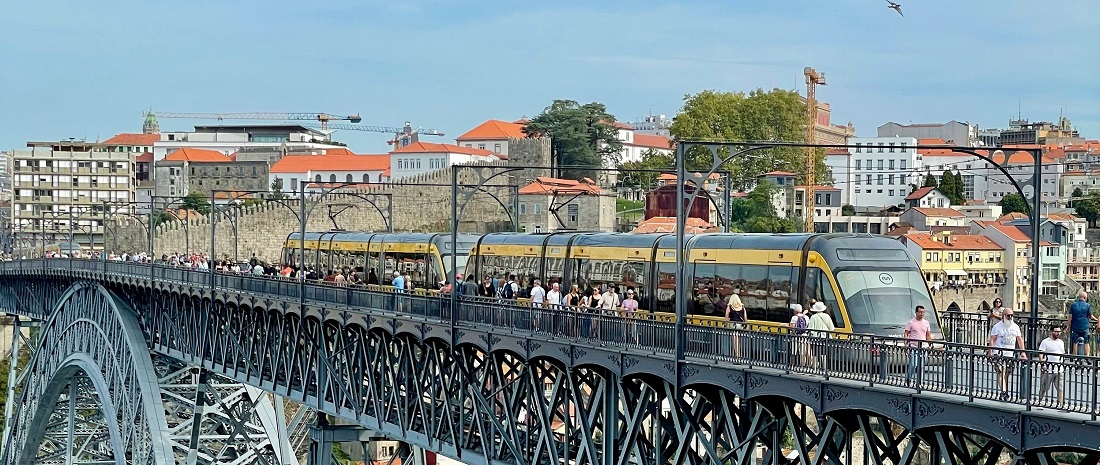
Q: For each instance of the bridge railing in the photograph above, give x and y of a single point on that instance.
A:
(971, 370)
(973, 328)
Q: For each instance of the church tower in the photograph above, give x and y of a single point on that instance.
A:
(151, 126)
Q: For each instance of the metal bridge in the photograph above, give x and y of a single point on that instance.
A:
(145, 364)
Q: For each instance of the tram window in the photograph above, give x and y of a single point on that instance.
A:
(779, 298)
(632, 276)
(413, 264)
(727, 280)
(555, 269)
(666, 287)
(372, 264)
(755, 293)
(703, 296)
(822, 291)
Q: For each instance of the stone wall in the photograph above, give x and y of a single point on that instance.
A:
(420, 204)
(967, 298)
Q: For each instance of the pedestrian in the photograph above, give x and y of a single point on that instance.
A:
(470, 288)
(918, 333)
(538, 294)
(820, 326)
(630, 309)
(486, 288)
(799, 323)
(1050, 353)
(1079, 322)
(553, 297)
(996, 312)
(735, 314)
(1004, 338)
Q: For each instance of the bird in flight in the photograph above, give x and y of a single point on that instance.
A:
(895, 7)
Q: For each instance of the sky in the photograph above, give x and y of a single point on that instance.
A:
(88, 70)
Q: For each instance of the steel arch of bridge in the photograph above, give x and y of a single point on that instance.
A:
(94, 393)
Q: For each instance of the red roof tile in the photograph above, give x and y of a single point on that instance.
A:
(649, 140)
(133, 139)
(1011, 232)
(1011, 216)
(144, 158)
(940, 212)
(494, 129)
(665, 224)
(920, 193)
(779, 173)
(198, 155)
(545, 186)
(305, 163)
(429, 147)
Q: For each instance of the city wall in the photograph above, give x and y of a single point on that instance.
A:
(420, 204)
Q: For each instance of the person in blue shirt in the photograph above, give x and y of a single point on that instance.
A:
(1080, 322)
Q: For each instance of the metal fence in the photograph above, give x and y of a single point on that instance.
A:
(965, 366)
(973, 328)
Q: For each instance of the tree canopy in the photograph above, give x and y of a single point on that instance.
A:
(951, 185)
(756, 212)
(1087, 207)
(929, 181)
(1012, 203)
(776, 115)
(196, 201)
(582, 137)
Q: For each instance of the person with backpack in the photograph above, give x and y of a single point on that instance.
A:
(799, 324)
(508, 290)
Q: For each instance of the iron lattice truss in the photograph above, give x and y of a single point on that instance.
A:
(464, 401)
(94, 393)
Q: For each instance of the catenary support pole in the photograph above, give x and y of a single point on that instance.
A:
(1036, 265)
(681, 279)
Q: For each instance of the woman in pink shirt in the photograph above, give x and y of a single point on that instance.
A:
(918, 333)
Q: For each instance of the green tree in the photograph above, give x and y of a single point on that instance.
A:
(582, 137)
(756, 212)
(277, 189)
(651, 160)
(1012, 203)
(847, 210)
(1077, 194)
(1088, 208)
(776, 115)
(196, 201)
(951, 185)
(929, 181)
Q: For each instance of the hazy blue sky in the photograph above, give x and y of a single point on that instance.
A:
(88, 69)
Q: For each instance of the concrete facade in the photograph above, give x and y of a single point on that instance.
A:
(958, 133)
(552, 204)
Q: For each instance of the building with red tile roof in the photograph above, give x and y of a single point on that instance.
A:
(143, 141)
(189, 170)
(550, 204)
(959, 259)
(425, 157)
(923, 218)
(292, 170)
(666, 224)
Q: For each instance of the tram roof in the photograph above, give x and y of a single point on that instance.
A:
(748, 241)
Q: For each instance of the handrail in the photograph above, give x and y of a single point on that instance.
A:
(951, 367)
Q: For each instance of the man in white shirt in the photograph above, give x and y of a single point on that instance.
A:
(1004, 338)
(1050, 353)
(609, 301)
(553, 298)
(538, 295)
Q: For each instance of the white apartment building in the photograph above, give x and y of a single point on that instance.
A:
(1021, 165)
(876, 173)
(425, 157)
(228, 139)
(636, 144)
(66, 186)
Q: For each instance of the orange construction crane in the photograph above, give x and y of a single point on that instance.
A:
(813, 79)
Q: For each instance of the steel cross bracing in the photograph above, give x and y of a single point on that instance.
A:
(93, 393)
(519, 388)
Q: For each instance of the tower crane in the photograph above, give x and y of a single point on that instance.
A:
(813, 79)
(402, 136)
(324, 118)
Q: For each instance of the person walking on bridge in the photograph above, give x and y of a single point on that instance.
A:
(918, 333)
(1004, 338)
(1050, 353)
(1079, 322)
(821, 326)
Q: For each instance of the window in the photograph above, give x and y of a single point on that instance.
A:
(366, 177)
(868, 179)
(317, 178)
(881, 148)
(903, 163)
(332, 178)
(891, 151)
(523, 209)
(294, 184)
(877, 181)
(858, 146)
(496, 148)
(349, 179)
(879, 164)
(891, 160)
(481, 146)
(891, 192)
(891, 180)
(573, 212)
(858, 179)
(858, 163)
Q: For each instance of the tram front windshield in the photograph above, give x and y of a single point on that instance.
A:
(882, 301)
